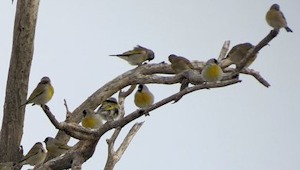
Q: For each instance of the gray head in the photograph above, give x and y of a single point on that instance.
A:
(45, 80)
(150, 53)
(48, 139)
(39, 143)
(172, 57)
(248, 45)
(275, 7)
(212, 61)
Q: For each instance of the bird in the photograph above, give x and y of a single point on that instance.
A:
(35, 155)
(211, 71)
(137, 56)
(143, 97)
(276, 19)
(109, 109)
(236, 55)
(56, 147)
(180, 64)
(91, 119)
(42, 94)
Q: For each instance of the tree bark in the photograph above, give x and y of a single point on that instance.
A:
(17, 80)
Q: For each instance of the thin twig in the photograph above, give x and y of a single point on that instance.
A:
(257, 76)
(71, 129)
(251, 54)
(224, 50)
(68, 113)
(134, 129)
(251, 72)
(115, 156)
(128, 92)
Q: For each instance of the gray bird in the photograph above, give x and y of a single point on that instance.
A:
(137, 56)
(276, 19)
(35, 155)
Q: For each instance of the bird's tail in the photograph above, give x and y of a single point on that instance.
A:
(288, 29)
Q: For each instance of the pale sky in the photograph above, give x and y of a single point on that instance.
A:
(244, 126)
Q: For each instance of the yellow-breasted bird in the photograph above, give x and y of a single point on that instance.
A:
(180, 64)
(42, 94)
(143, 97)
(56, 147)
(109, 109)
(91, 119)
(35, 155)
(137, 56)
(237, 54)
(211, 71)
(276, 19)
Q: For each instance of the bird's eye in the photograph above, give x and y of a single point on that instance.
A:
(84, 112)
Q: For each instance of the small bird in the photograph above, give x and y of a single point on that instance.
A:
(91, 119)
(180, 64)
(137, 56)
(42, 94)
(35, 156)
(143, 97)
(109, 109)
(236, 55)
(56, 147)
(276, 19)
(212, 72)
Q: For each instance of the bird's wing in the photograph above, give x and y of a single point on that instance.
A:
(132, 52)
(31, 153)
(31, 97)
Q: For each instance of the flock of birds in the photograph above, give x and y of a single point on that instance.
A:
(109, 109)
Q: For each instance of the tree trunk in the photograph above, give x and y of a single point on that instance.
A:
(17, 81)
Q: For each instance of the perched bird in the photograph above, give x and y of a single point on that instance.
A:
(91, 119)
(56, 147)
(42, 93)
(143, 97)
(236, 55)
(276, 19)
(35, 156)
(212, 72)
(180, 64)
(137, 56)
(109, 109)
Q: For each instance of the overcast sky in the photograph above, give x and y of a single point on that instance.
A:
(243, 126)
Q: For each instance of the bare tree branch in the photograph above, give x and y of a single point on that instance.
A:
(77, 162)
(251, 72)
(224, 50)
(257, 48)
(127, 93)
(257, 76)
(17, 80)
(84, 148)
(115, 156)
(120, 151)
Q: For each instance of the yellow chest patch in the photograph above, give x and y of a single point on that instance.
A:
(143, 99)
(91, 123)
(212, 73)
